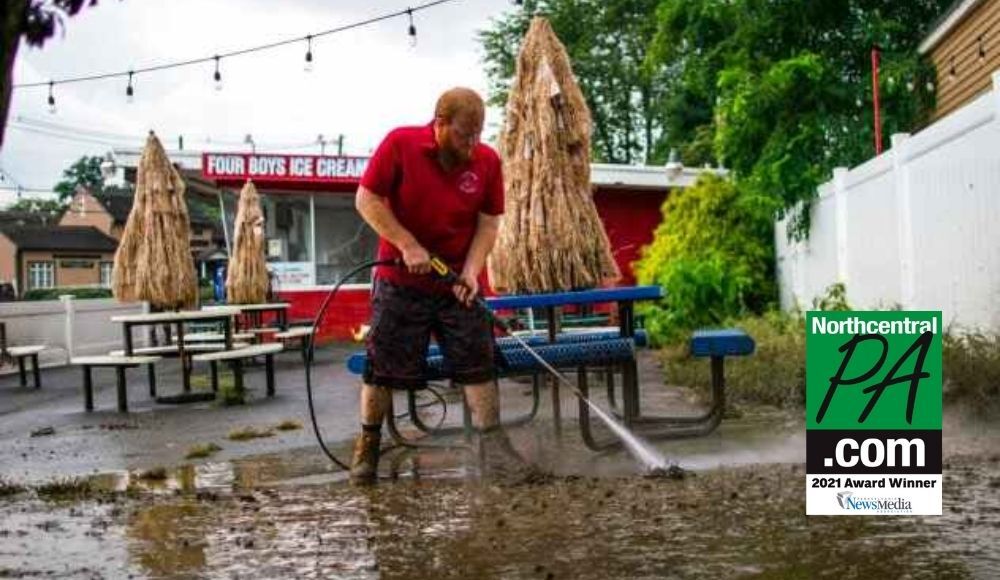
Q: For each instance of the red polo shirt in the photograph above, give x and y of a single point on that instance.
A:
(440, 208)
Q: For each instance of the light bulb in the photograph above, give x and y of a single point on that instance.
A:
(309, 62)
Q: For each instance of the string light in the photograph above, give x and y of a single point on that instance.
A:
(982, 49)
(413, 29)
(218, 75)
(309, 53)
(129, 91)
(52, 99)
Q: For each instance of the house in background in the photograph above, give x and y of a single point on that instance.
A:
(964, 46)
(55, 256)
(109, 213)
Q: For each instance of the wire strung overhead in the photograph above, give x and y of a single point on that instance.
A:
(217, 76)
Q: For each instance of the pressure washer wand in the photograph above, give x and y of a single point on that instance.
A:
(640, 449)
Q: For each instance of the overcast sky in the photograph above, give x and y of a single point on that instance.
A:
(363, 83)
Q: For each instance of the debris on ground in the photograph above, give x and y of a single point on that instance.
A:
(43, 431)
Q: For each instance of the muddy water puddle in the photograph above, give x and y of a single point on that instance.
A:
(289, 516)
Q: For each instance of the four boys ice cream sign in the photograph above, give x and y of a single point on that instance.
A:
(873, 413)
(298, 168)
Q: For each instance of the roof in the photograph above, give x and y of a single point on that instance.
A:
(119, 205)
(646, 176)
(955, 14)
(610, 175)
(62, 238)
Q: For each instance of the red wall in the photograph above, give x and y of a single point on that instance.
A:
(348, 310)
(629, 217)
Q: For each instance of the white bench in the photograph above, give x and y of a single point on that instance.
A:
(119, 363)
(304, 334)
(175, 349)
(215, 337)
(236, 358)
(28, 351)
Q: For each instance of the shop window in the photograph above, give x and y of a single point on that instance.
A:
(343, 239)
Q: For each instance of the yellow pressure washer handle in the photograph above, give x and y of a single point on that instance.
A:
(448, 275)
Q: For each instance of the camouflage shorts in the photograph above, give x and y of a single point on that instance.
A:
(403, 320)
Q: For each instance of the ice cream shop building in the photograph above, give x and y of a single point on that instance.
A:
(314, 234)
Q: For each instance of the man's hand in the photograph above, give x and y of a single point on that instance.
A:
(416, 258)
(466, 289)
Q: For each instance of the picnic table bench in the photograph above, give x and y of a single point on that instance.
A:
(609, 351)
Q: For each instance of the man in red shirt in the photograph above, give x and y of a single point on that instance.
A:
(430, 190)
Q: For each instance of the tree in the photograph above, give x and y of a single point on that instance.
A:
(780, 91)
(85, 172)
(35, 21)
(607, 42)
(49, 207)
(713, 254)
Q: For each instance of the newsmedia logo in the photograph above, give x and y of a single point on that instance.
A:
(881, 505)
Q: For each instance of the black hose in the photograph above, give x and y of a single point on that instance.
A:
(312, 347)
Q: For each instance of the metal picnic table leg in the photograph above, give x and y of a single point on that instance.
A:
(22, 374)
(227, 329)
(122, 394)
(269, 371)
(127, 330)
(630, 370)
(88, 389)
(151, 373)
(553, 315)
(35, 371)
(185, 361)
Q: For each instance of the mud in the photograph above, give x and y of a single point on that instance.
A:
(289, 515)
(275, 508)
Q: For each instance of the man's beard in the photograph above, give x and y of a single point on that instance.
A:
(452, 157)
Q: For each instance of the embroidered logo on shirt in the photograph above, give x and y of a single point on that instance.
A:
(468, 182)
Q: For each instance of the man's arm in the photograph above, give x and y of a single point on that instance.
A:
(482, 244)
(375, 210)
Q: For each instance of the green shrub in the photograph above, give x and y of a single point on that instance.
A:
(82, 292)
(713, 255)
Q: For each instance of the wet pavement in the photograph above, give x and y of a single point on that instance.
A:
(275, 508)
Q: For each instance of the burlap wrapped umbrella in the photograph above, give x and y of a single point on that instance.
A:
(154, 261)
(246, 280)
(551, 237)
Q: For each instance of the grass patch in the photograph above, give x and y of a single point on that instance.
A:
(202, 450)
(229, 396)
(9, 488)
(288, 425)
(971, 368)
(247, 433)
(154, 474)
(204, 382)
(773, 375)
(68, 488)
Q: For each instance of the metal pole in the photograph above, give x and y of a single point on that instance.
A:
(875, 100)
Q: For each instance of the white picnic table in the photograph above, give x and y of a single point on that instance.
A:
(222, 314)
(255, 312)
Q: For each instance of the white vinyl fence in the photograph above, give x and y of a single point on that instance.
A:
(917, 227)
(69, 327)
